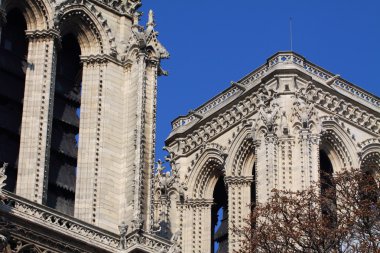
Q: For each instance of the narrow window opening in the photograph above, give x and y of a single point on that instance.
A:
(219, 218)
(13, 51)
(65, 127)
(328, 189)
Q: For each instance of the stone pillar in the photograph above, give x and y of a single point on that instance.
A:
(89, 147)
(197, 226)
(307, 155)
(267, 166)
(33, 166)
(239, 200)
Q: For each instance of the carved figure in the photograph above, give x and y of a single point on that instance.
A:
(165, 182)
(123, 229)
(138, 223)
(159, 168)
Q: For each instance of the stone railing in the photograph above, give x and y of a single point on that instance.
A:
(59, 222)
(292, 58)
(56, 221)
(198, 113)
(279, 58)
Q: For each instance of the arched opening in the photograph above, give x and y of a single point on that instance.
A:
(65, 127)
(219, 218)
(328, 189)
(13, 53)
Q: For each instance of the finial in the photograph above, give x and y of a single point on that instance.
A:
(136, 18)
(151, 19)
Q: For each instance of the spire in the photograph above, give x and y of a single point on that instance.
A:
(151, 19)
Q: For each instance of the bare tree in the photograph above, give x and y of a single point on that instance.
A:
(343, 216)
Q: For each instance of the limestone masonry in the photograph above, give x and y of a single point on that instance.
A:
(78, 91)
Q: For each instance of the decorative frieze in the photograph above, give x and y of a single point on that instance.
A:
(56, 221)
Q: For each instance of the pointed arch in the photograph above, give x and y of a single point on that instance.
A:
(338, 145)
(88, 24)
(370, 155)
(205, 174)
(241, 154)
(38, 13)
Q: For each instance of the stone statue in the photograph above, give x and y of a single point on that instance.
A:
(123, 229)
(165, 182)
(160, 167)
(138, 223)
(164, 179)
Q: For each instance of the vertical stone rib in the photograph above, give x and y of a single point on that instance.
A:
(140, 138)
(37, 116)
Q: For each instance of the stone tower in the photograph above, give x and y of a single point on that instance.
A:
(283, 126)
(79, 81)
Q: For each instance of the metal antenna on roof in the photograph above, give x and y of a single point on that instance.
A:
(291, 33)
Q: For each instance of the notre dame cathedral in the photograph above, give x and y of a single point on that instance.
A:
(78, 90)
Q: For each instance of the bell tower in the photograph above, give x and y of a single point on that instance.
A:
(87, 118)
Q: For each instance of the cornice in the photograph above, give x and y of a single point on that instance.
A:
(48, 34)
(286, 61)
(235, 114)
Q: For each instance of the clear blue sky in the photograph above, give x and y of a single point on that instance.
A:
(215, 41)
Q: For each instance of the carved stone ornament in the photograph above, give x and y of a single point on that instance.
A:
(163, 180)
(146, 39)
(123, 229)
(123, 6)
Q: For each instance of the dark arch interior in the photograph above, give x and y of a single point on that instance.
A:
(328, 189)
(65, 127)
(219, 218)
(253, 188)
(13, 51)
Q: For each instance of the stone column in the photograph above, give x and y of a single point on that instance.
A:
(89, 147)
(267, 166)
(33, 165)
(197, 227)
(308, 159)
(239, 200)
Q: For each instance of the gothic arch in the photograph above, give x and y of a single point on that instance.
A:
(205, 174)
(241, 154)
(369, 146)
(88, 24)
(371, 156)
(38, 14)
(338, 145)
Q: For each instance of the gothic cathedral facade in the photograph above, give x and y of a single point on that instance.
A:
(78, 89)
